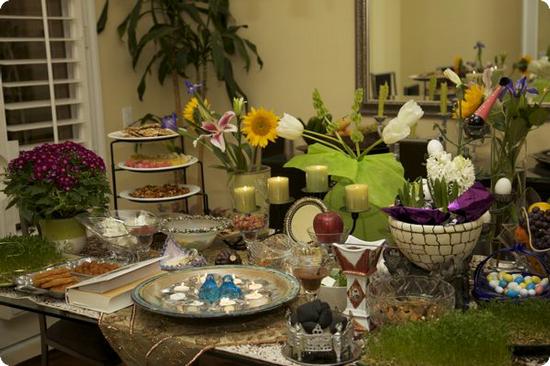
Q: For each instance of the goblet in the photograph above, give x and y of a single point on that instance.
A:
(140, 224)
(310, 266)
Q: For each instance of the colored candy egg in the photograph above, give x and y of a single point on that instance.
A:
(531, 286)
(502, 283)
(536, 279)
(501, 275)
(522, 285)
(523, 292)
(544, 282)
(513, 285)
(538, 290)
(493, 283)
(533, 292)
(528, 279)
(508, 277)
(512, 293)
(518, 279)
(499, 290)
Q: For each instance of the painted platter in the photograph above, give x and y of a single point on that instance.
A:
(157, 294)
(192, 191)
(299, 218)
(192, 160)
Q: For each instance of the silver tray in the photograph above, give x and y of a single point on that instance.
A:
(24, 282)
(355, 354)
(277, 287)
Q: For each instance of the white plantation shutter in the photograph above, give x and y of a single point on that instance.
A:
(49, 82)
(44, 73)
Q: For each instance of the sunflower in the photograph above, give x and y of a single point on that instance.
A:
(259, 126)
(472, 100)
(191, 109)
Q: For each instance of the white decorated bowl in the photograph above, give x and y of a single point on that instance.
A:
(191, 231)
(427, 246)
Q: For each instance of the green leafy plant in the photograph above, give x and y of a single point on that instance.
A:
(186, 35)
(56, 181)
(443, 193)
(412, 194)
(25, 254)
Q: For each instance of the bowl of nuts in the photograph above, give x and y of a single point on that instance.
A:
(193, 231)
(398, 299)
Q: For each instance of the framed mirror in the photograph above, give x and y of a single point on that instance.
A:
(407, 43)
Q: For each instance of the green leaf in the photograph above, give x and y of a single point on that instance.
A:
(157, 31)
(538, 116)
(102, 21)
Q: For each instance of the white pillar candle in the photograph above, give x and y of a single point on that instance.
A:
(245, 199)
(277, 189)
(357, 197)
(316, 178)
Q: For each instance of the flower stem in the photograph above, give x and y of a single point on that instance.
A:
(369, 149)
(307, 133)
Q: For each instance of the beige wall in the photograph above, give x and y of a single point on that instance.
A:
(544, 28)
(304, 44)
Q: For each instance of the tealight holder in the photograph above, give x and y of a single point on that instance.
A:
(319, 195)
(277, 212)
(354, 217)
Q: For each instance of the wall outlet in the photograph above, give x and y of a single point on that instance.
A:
(127, 116)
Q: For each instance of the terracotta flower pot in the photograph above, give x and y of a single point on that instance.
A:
(429, 245)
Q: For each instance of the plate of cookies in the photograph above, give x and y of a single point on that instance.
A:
(53, 281)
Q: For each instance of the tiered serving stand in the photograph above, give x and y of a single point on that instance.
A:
(117, 138)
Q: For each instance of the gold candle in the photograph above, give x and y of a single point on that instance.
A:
(245, 199)
(357, 197)
(316, 178)
(277, 189)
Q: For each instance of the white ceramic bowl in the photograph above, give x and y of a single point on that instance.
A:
(429, 245)
(190, 231)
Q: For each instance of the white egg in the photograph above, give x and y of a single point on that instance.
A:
(531, 292)
(434, 147)
(523, 292)
(503, 186)
(544, 282)
(486, 217)
(499, 290)
(493, 284)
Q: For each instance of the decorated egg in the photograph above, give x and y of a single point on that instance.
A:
(536, 279)
(434, 147)
(538, 290)
(503, 186)
(512, 293)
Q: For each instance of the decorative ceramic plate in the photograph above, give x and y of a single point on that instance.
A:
(193, 190)
(192, 160)
(157, 294)
(355, 354)
(299, 217)
(119, 135)
(543, 157)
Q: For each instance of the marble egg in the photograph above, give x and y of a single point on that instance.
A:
(434, 147)
(503, 186)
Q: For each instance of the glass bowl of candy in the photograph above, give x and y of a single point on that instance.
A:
(398, 299)
(272, 252)
(193, 231)
(140, 224)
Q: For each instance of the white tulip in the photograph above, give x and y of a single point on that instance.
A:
(451, 75)
(434, 147)
(400, 127)
(290, 127)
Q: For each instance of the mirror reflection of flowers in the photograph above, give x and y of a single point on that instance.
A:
(234, 137)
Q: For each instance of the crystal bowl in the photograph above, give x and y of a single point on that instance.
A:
(398, 299)
(190, 231)
(328, 238)
(272, 252)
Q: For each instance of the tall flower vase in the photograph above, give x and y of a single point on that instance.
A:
(508, 161)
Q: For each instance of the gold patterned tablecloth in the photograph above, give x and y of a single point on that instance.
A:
(144, 338)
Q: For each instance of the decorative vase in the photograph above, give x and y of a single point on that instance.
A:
(430, 246)
(68, 234)
(358, 261)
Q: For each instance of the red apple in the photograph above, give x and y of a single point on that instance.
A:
(328, 227)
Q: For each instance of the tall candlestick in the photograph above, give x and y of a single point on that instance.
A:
(277, 189)
(383, 93)
(431, 87)
(316, 178)
(443, 98)
(245, 199)
(357, 197)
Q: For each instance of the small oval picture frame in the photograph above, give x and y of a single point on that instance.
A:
(299, 218)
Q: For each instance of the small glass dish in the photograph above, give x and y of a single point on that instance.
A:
(190, 231)
(398, 299)
(176, 258)
(140, 224)
(272, 252)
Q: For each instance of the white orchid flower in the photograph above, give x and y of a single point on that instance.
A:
(290, 127)
(400, 127)
(453, 76)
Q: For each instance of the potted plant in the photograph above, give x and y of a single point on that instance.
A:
(54, 182)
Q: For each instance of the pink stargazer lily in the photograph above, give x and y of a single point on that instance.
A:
(217, 129)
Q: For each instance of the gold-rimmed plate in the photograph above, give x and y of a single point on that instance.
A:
(299, 218)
